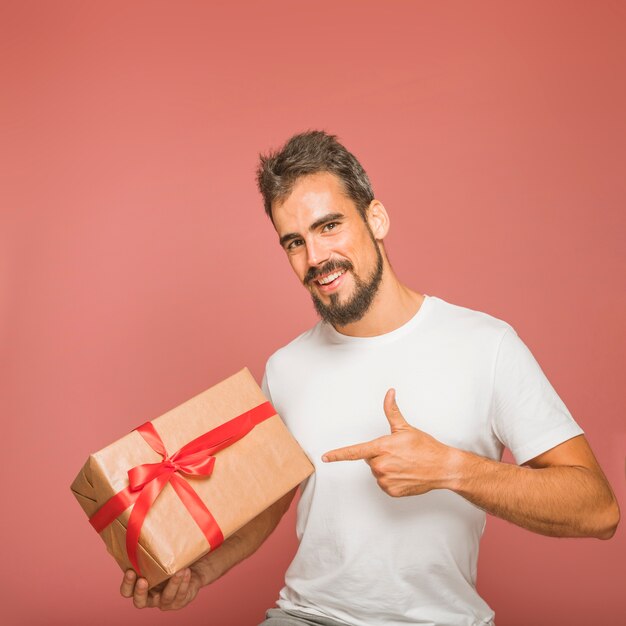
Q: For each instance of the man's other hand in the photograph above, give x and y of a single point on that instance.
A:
(406, 462)
(171, 595)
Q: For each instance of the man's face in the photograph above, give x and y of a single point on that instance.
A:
(330, 247)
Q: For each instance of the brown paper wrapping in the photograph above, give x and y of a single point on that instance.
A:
(248, 477)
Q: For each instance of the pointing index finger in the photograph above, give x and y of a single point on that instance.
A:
(355, 452)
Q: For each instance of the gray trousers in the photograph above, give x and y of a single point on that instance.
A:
(279, 617)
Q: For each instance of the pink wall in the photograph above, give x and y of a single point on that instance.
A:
(137, 267)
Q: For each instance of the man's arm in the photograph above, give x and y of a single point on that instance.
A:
(562, 492)
(183, 587)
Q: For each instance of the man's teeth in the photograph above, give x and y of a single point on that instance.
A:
(330, 277)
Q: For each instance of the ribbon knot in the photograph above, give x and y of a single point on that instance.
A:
(195, 459)
(169, 464)
(198, 464)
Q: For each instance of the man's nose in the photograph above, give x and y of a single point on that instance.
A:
(317, 252)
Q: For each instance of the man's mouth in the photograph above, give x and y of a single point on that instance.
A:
(330, 282)
(329, 278)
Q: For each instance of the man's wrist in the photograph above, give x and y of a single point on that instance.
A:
(458, 468)
(212, 565)
(204, 569)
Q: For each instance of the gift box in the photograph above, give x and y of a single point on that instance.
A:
(174, 488)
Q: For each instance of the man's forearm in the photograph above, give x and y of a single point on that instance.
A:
(243, 543)
(564, 501)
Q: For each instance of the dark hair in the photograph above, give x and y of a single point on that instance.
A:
(309, 153)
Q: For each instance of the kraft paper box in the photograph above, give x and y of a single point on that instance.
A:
(248, 476)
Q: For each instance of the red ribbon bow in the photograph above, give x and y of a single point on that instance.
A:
(146, 481)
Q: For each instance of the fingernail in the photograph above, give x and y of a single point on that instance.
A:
(129, 575)
(325, 459)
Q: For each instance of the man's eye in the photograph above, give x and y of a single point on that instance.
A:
(330, 225)
(294, 243)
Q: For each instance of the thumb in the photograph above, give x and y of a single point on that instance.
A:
(394, 416)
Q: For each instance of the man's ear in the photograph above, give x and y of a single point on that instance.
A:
(378, 219)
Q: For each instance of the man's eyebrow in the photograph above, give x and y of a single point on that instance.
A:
(330, 217)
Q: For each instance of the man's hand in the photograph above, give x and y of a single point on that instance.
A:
(405, 463)
(183, 587)
(562, 492)
(172, 594)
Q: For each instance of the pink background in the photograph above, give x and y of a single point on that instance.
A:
(137, 267)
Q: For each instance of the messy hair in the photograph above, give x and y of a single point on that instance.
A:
(309, 153)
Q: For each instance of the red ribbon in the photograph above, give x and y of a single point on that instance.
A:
(194, 459)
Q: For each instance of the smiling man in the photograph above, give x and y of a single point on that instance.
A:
(340, 294)
(404, 403)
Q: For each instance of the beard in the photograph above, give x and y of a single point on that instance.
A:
(359, 302)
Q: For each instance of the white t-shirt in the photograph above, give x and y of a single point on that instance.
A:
(460, 375)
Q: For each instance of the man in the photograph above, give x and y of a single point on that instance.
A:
(427, 394)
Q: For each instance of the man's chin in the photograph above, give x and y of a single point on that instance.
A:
(334, 313)
(333, 301)
(332, 296)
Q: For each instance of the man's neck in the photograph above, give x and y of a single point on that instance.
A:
(394, 305)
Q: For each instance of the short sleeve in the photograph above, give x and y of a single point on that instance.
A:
(527, 415)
